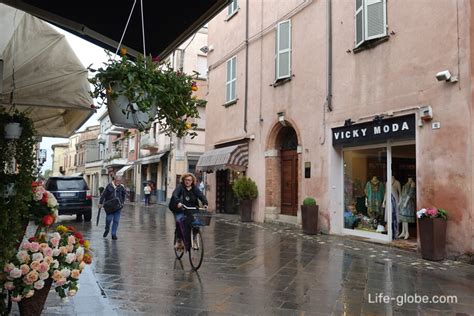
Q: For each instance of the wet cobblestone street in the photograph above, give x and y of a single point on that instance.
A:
(257, 269)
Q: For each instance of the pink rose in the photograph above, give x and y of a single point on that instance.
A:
(24, 269)
(34, 246)
(60, 282)
(82, 265)
(63, 250)
(70, 248)
(54, 242)
(25, 246)
(39, 285)
(8, 267)
(23, 256)
(43, 267)
(48, 259)
(15, 273)
(432, 212)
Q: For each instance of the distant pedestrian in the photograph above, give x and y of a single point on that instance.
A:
(147, 192)
(112, 190)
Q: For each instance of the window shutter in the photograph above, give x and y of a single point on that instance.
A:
(283, 56)
(232, 7)
(231, 79)
(359, 23)
(375, 19)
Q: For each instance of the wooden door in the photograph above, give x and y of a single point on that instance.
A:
(289, 182)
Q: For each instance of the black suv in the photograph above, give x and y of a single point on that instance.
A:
(73, 196)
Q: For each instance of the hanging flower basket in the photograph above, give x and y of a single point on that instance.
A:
(138, 92)
(13, 130)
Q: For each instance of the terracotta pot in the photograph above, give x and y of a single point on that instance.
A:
(246, 210)
(13, 130)
(309, 219)
(34, 305)
(432, 238)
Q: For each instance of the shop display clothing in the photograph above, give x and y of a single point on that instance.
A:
(375, 192)
(407, 203)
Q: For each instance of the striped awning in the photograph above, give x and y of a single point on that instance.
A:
(234, 157)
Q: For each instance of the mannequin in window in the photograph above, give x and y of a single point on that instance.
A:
(374, 192)
(407, 207)
(395, 199)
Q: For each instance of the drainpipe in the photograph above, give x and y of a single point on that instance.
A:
(329, 57)
(246, 63)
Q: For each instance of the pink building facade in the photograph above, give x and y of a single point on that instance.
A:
(325, 97)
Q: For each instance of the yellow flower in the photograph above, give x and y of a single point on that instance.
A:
(61, 229)
(123, 51)
(194, 88)
(194, 97)
(86, 244)
(188, 125)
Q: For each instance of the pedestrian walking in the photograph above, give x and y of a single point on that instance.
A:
(147, 192)
(113, 190)
(186, 193)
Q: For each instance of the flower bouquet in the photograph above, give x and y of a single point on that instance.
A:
(43, 206)
(59, 257)
(432, 213)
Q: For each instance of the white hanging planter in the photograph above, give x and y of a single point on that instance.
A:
(122, 113)
(13, 130)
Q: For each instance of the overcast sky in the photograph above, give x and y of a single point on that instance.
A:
(88, 54)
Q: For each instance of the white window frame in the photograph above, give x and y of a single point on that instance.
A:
(232, 9)
(363, 8)
(232, 81)
(282, 51)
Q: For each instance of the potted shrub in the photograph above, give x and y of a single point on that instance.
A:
(141, 91)
(309, 216)
(245, 190)
(432, 224)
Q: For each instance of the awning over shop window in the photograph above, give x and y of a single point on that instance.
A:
(151, 159)
(123, 170)
(231, 157)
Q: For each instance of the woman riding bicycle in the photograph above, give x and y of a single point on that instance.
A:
(188, 194)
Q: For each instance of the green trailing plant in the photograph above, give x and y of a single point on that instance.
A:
(154, 87)
(309, 201)
(245, 188)
(17, 168)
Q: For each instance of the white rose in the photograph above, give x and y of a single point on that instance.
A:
(66, 272)
(39, 285)
(80, 251)
(70, 258)
(52, 202)
(37, 256)
(56, 252)
(44, 275)
(9, 286)
(55, 264)
(56, 235)
(15, 273)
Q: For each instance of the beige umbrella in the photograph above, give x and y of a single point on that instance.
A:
(47, 79)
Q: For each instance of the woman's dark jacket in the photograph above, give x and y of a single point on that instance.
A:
(189, 198)
(109, 193)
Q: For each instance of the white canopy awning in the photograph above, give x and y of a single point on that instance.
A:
(123, 170)
(50, 82)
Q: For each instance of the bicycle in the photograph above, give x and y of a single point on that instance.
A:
(195, 249)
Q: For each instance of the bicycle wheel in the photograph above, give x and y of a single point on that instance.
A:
(178, 252)
(196, 253)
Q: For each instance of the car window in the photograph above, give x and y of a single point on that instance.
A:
(67, 185)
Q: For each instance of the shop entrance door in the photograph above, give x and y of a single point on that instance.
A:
(221, 188)
(289, 182)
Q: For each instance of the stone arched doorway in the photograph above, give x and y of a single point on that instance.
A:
(282, 165)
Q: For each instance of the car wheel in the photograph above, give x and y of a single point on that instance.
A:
(79, 217)
(88, 215)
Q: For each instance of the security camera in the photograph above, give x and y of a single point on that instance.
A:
(445, 75)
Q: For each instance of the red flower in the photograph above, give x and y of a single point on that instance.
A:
(48, 220)
(156, 59)
(81, 241)
(70, 228)
(35, 184)
(31, 239)
(44, 200)
(78, 235)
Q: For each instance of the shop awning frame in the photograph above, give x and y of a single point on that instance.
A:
(233, 157)
(150, 159)
(123, 170)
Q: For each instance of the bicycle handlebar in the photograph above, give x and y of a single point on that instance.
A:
(194, 208)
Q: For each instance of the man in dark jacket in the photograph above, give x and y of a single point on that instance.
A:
(112, 190)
